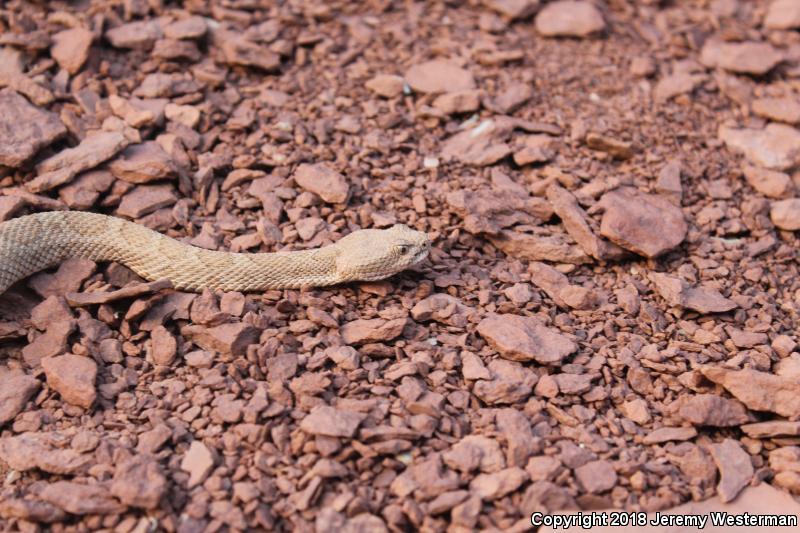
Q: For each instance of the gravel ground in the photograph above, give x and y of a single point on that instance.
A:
(607, 319)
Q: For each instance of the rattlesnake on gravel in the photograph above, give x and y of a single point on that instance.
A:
(42, 240)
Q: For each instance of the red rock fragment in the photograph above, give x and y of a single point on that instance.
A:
(759, 391)
(711, 410)
(145, 199)
(643, 223)
(331, 422)
(24, 129)
(746, 57)
(567, 18)
(71, 48)
(30, 510)
(76, 498)
(65, 165)
(139, 482)
(521, 338)
(16, 388)
(198, 462)
(53, 342)
(82, 299)
(439, 76)
(510, 383)
(362, 331)
(498, 484)
(323, 181)
(68, 278)
(73, 377)
(596, 476)
(232, 338)
(735, 468)
(679, 293)
(143, 163)
(33, 450)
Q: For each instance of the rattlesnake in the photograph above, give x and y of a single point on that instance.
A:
(42, 240)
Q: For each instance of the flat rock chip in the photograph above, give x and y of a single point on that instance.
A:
(331, 422)
(10, 206)
(68, 278)
(557, 248)
(759, 391)
(323, 181)
(785, 214)
(489, 211)
(677, 292)
(666, 434)
(139, 482)
(596, 476)
(232, 338)
(676, 84)
(188, 28)
(76, 498)
(372, 330)
(439, 76)
(141, 34)
(783, 15)
(783, 109)
(65, 165)
(521, 338)
(712, 410)
(513, 9)
(144, 199)
(498, 484)
(483, 145)
(776, 147)
(645, 224)
(164, 346)
(73, 377)
(79, 299)
(510, 383)
(198, 463)
(747, 57)
(772, 428)
(515, 427)
(16, 388)
(53, 342)
(442, 308)
(735, 468)
(33, 450)
(24, 129)
(614, 147)
(30, 510)
(458, 102)
(770, 183)
(557, 287)
(142, 163)
(567, 18)
(386, 85)
(71, 48)
(576, 222)
(475, 452)
(237, 50)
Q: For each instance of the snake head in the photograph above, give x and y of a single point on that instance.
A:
(373, 254)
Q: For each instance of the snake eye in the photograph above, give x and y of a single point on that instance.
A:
(403, 249)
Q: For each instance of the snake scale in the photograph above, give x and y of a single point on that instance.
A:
(35, 242)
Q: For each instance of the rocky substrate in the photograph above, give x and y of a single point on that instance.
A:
(607, 320)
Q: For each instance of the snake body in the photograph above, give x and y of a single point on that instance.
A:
(35, 242)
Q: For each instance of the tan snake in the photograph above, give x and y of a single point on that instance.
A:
(35, 242)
